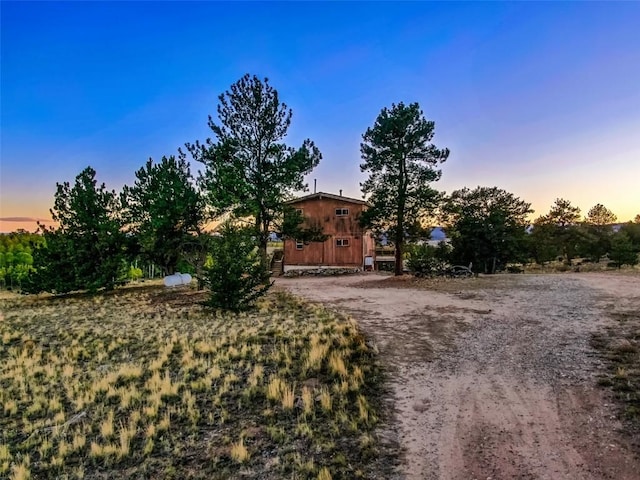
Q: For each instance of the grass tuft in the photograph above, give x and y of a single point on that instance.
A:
(324, 474)
(239, 452)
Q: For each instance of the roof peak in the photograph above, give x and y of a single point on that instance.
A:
(329, 195)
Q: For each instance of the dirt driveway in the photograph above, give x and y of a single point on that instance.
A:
(493, 378)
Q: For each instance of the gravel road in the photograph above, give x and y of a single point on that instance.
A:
(493, 378)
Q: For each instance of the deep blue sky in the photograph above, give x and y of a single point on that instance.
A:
(541, 99)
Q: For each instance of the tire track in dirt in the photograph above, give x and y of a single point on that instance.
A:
(494, 378)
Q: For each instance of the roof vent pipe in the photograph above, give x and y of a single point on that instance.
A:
(340, 192)
(315, 184)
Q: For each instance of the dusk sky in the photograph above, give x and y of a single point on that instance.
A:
(540, 99)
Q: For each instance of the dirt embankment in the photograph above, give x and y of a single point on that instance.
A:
(494, 377)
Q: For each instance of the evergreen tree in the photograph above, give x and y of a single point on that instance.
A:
(487, 227)
(400, 160)
(600, 215)
(163, 210)
(542, 244)
(622, 250)
(237, 275)
(632, 230)
(87, 249)
(249, 170)
(563, 220)
(598, 232)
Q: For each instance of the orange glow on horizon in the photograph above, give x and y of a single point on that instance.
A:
(28, 225)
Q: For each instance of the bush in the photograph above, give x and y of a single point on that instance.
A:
(134, 274)
(236, 274)
(622, 250)
(427, 261)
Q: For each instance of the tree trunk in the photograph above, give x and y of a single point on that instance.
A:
(263, 238)
(262, 247)
(399, 267)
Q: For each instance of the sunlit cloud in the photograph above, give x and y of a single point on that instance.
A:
(24, 219)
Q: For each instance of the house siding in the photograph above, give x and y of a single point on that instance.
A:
(321, 211)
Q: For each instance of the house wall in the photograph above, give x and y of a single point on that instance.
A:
(322, 212)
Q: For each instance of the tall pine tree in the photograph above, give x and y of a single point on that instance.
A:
(401, 162)
(249, 170)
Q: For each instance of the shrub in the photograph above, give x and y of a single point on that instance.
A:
(236, 274)
(135, 273)
(426, 261)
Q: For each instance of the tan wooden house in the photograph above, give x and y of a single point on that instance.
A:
(347, 245)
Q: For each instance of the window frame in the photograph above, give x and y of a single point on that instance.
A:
(299, 245)
(343, 242)
(343, 212)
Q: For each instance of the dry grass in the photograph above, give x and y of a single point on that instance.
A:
(147, 383)
(620, 347)
(239, 452)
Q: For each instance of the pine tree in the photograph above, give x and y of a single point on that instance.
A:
(164, 211)
(249, 170)
(400, 160)
(87, 249)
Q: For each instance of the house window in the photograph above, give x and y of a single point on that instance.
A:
(299, 210)
(342, 242)
(299, 245)
(342, 212)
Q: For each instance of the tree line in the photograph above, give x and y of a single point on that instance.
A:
(248, 172)
(489, 230)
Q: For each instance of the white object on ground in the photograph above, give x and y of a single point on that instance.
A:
(177, 279)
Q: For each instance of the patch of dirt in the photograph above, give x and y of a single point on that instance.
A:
(176, 296)
(494, 377)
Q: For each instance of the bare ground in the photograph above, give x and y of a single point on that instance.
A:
(494, 378)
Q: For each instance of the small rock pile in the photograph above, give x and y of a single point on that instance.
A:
(322, 272)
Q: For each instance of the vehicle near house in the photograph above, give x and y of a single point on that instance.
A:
(347, 243)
